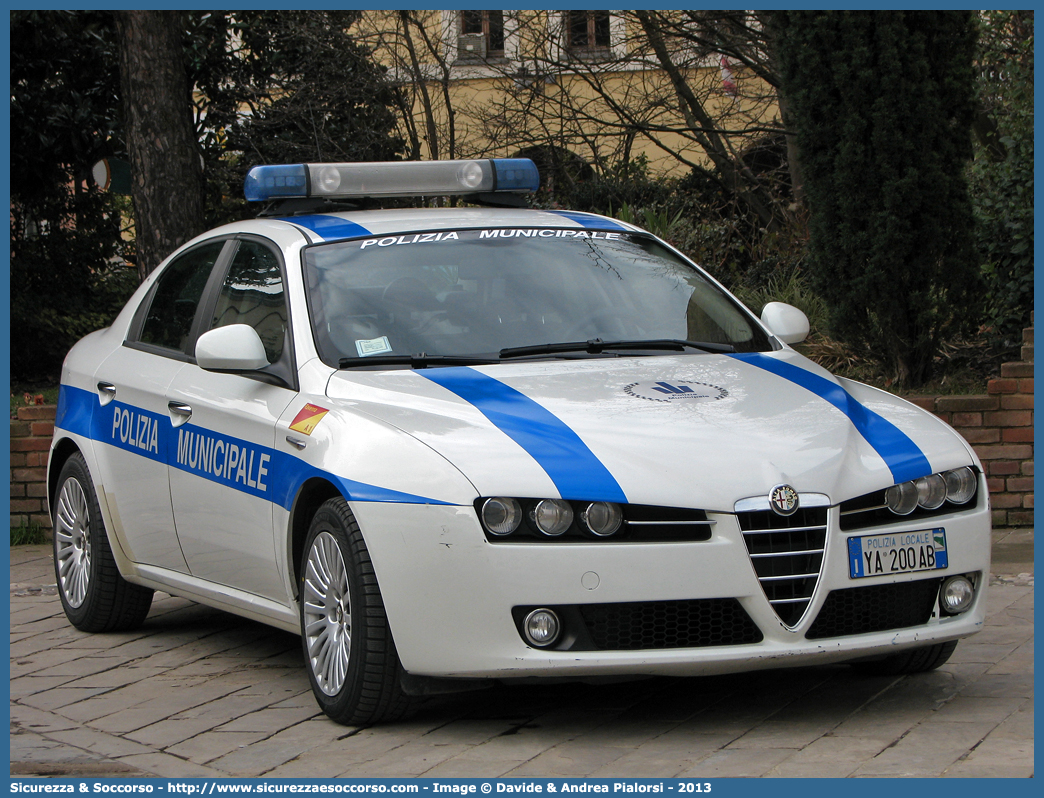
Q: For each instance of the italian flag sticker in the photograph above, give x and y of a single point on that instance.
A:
(308, 419)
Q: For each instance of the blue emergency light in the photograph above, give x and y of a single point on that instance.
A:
(391, 179)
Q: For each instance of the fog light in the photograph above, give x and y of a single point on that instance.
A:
(602, 518)
(931, 491)
(552, 516)
(960, 485)
(957, 595)
(902, 499)
(501, 516)
(541, 628)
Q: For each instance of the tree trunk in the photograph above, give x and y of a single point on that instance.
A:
(167, 177)
(422, 84)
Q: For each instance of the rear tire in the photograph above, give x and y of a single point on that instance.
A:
(351, 660)
(94, 595)
(916, 660)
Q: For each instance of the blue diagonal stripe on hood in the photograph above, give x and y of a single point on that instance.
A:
(573, 467)
(902, 456)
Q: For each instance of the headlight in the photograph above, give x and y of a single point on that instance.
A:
(902, 499)
(602, 518)
(936, 494)
(960, 485)
(931, 491)
(501, 516)
(552, 516)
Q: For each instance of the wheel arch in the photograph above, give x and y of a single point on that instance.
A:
(60, 453)
(309, 499)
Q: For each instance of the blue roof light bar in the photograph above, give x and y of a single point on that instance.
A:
(391, 179)
(276, 182)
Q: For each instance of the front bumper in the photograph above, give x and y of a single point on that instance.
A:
(449, 595)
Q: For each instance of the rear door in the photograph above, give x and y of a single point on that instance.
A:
(136, 429)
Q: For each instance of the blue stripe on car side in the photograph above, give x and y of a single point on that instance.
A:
(266, 473)
(902, 456)
(328, 227)
(591, 221)
(74, 413)
(575, 470)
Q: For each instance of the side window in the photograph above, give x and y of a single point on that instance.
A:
(178, 291)
(253, 294)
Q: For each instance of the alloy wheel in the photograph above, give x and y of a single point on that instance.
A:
(73, 542)
(327, 614)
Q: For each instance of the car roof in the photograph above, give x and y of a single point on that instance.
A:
(358, 224)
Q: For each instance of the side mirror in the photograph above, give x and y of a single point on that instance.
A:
(235, 347)
(785, 322)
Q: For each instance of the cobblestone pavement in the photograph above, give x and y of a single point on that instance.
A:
(199, 693)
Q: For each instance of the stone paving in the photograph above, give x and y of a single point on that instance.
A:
(199, 693)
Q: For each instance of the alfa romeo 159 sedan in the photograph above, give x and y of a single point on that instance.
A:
(448, 445)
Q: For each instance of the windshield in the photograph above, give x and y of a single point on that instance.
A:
(477, 292)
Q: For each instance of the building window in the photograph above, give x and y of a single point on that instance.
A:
(481, 35)
(587, 32)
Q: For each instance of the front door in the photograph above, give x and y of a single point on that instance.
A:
(222, 484)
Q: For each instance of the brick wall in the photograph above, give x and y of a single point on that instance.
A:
(998, 424)
(30, 440)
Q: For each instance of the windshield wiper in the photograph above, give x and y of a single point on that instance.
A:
(596, 346)
(418, 361)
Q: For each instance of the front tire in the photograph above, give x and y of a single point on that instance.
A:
(352, 664)
(94, 595)
(916, 660)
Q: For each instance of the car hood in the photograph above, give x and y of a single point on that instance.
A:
(695, 430)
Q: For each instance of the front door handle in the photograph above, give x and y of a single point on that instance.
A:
(179, 412)
(106, 392)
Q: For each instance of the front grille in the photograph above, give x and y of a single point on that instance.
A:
(875, 608)
(787, 554)
(644, 625)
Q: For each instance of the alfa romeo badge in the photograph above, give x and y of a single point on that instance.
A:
(784, 500)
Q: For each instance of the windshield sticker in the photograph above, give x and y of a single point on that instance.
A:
(373, 346)
(688, 392)
(416, 238)
(308, 419)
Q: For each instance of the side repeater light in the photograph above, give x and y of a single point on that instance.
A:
(391, 179)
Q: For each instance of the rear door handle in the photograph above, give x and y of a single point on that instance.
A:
(179, 412)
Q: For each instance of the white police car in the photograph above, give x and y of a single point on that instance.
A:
(469, 443)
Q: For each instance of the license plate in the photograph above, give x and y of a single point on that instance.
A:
(897, 553)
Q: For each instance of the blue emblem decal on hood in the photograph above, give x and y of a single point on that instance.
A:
(902, 456)
(573, 467)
